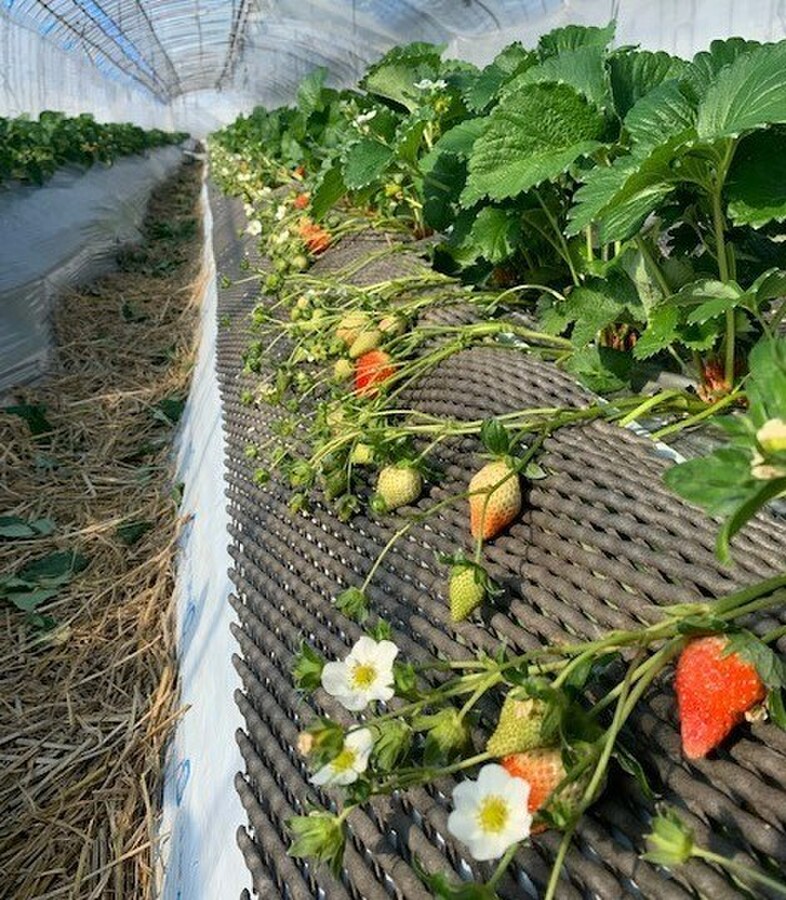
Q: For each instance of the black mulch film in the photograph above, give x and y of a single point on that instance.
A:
(601, 540)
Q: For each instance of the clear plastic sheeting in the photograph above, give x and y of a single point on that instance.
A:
(64, 234)
(195, 64)
(36, 74)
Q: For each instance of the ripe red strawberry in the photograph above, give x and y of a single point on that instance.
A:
(492, 509)
(301, 201)
(543, 770)
(397, 486)
(714, 691)
(466, 590)
(519, 726)
(371, 370)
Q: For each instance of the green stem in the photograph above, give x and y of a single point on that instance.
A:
(565, 250)
(728, 400)
(744, 872)
(652, 266)
(646, 406)
(502, 866)
(719, 230)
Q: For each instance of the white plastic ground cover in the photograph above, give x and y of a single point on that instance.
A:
(65, 233)
(200, 859)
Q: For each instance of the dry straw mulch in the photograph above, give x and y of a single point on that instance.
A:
(88, 690)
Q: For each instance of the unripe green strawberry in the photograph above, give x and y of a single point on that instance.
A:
(495, 499)
(466, 590)
(397, 485)
(351, 326)
(519, 726)
(368, 340)
(362, 454)
(343, 369)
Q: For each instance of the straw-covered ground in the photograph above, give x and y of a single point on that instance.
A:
(88, 681)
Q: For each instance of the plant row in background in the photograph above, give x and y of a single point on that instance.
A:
(616, 212)
(32, 151)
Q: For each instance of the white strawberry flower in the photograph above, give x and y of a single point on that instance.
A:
(254, 227)
(281, 211)
(490, 814)
(365, 675)
(426, 84)
(248, 209)
(362, 118)
(350, 763)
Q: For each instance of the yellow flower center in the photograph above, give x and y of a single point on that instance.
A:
(363, 675)
(493, 814)
(344, 761)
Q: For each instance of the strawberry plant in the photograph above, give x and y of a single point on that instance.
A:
(34, 150)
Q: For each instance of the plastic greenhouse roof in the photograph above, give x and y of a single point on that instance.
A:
(174, 47)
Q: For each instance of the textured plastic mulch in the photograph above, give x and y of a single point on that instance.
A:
(601, 544)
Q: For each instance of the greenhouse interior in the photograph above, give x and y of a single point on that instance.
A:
(393, 449)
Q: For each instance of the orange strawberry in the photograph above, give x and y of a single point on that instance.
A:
(495, 499)
(543, 769)
(301, 201)
(371, 370)
(316, 239)
(714, 691)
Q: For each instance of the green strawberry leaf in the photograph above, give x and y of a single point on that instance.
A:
(495, 233)
(756, 184)
(366, 161)
(481, 90)
(766, 387)
(329, 191)
(746, 95)
(442, 185)
(662, 114)
(132, 532)
(634, 73)
(720, 482)
(759, 497)
(601, 369)
(56, 567)
(16, 527)
(582, 69)
(532, 136)
(706, 64)
(309, 93)
(571, 37)
(660, 333)
(621, 196)
(395, 75)
(628, 763)
(770, 667)
(33, 414)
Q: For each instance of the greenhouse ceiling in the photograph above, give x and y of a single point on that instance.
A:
(173, 47)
